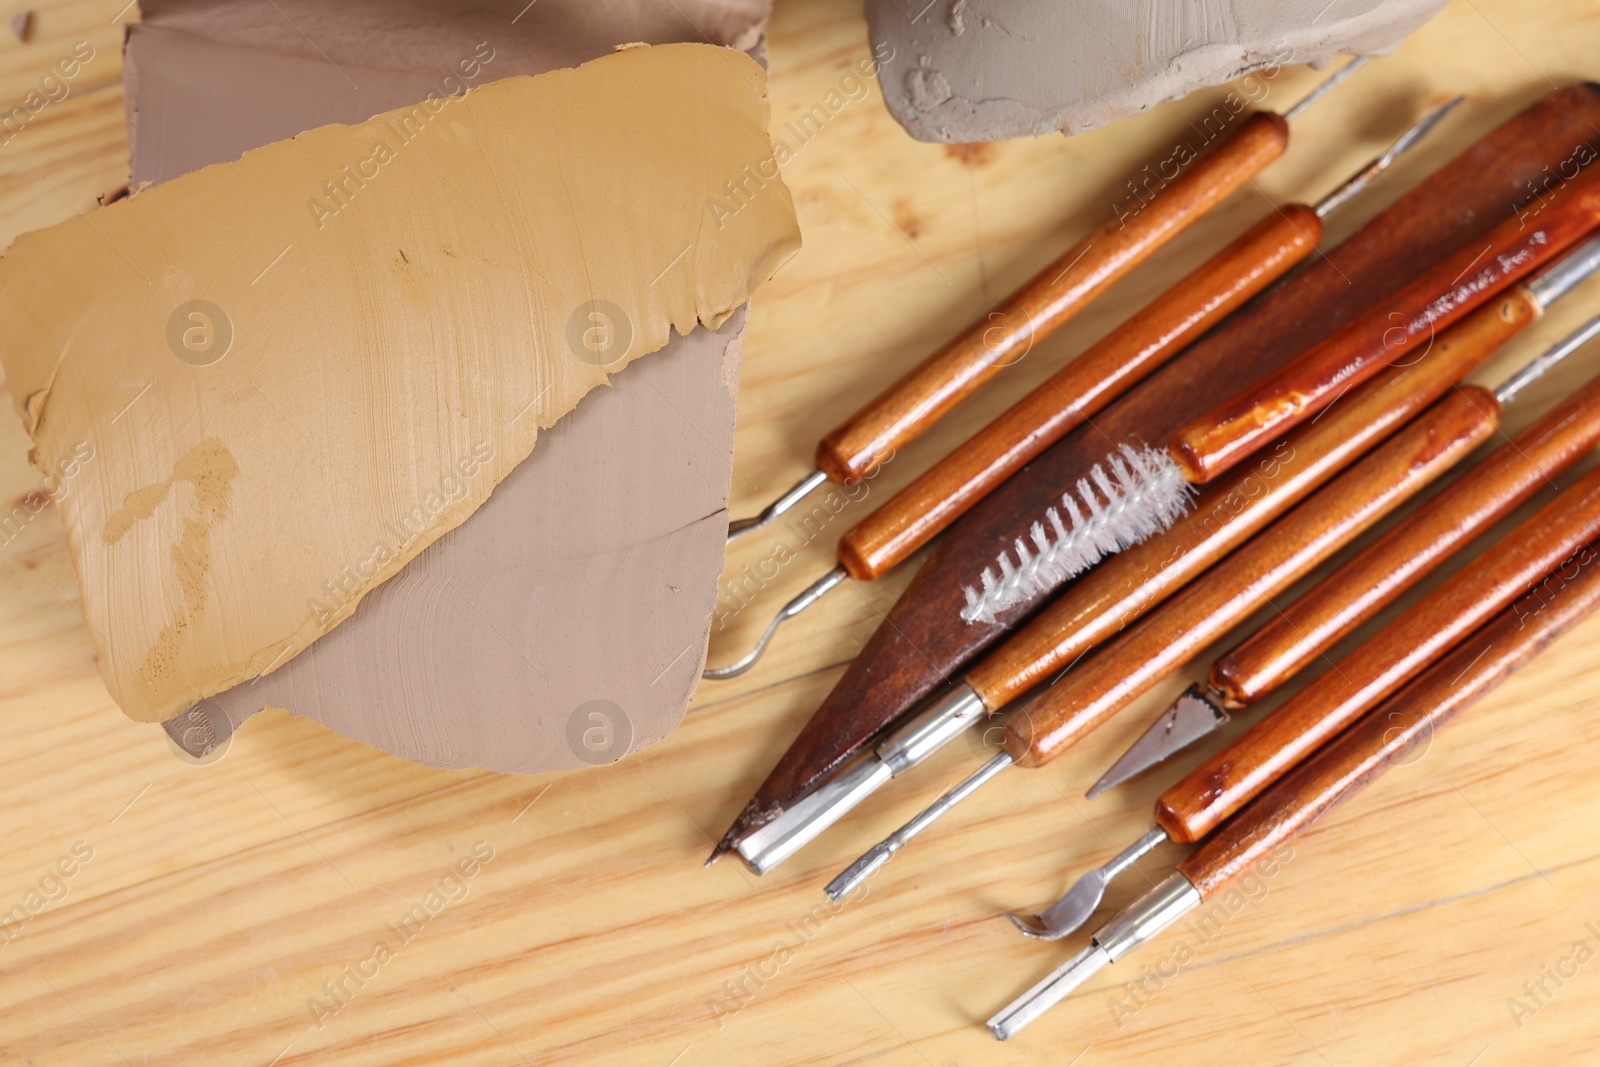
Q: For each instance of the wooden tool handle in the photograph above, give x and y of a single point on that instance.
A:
(1388, 734)
(1119, 590)
(1191, 307)
(1230, 592)
(1388, 567)
(1005, 335)
(1264, 753)
(1389, 332)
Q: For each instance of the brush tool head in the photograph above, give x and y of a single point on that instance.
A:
(1134, 495)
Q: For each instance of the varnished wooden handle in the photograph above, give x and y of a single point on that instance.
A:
(1269, 749)
(1389, 566)
(1386, 736)
(1389, 332)
(1234, 589)
(1101, 374)
(1119, 590)
(1005, 335)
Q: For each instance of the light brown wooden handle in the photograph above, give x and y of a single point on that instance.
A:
(1388, 567)
(1119, 590)
(1388, 735)
(1234, 589)
(1005, 335)
(1390, 332)
(1269, 749)
(1101, 374)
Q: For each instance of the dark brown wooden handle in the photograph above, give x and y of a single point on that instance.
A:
(1004, 336)
(1391, 331)
(1118, 591)
(1125, 356)
(1234, 589)
(1386, 736)
(1389, 566)
(1269, 749)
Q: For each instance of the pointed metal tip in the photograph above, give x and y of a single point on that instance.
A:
(1191, 717)
(1031, 925)
(1105, 782)
(716, 854)
(859, 871)
(1352, 186)
(797, 825)
(1328, 84)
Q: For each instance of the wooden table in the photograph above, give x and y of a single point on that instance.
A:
(221, 905)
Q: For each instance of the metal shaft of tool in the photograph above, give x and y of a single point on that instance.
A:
(1325, 88)
(1080, 902)
(1139, 922)
(775, 510)
(1361, 179)
(810, 595)
(942, 718)
(879, 854)
(816, 478)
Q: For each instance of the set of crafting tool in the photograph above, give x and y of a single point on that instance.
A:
(1228, 445)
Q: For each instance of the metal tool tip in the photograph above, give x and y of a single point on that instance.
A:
(1047, 992)
(1030, 925)
(859, 871)
(808, 596)
(716, 854)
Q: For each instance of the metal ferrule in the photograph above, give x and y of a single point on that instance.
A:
(1555, 282)
(1146, 917)
(940, 722)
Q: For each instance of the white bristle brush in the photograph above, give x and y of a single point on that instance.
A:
(1134, 495)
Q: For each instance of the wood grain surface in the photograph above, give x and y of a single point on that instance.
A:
(218, 902)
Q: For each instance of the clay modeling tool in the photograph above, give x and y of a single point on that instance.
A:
(1390, 332)
(912, 517)
(924, 643)
(901, 413)
(1384, 738)
(1126, 586)
(1355, 592)
(1199, 803)
(1267, 565)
